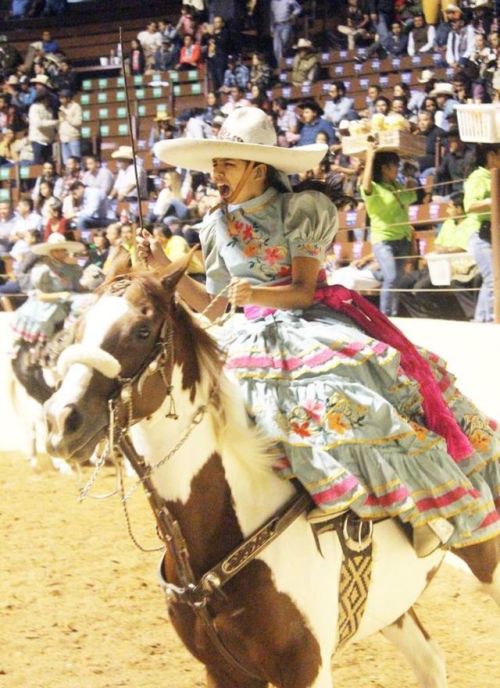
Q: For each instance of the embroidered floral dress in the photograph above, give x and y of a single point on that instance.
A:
(348, 419)
(36, 321)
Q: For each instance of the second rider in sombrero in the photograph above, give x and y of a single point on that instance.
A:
(365, 421)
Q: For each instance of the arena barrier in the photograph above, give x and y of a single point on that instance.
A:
(471, 351)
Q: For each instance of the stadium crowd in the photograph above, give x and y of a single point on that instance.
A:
(94, 205)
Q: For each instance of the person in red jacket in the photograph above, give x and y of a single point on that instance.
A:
(190, 56)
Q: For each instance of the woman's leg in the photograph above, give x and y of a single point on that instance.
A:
(481, 252)
(384, 256)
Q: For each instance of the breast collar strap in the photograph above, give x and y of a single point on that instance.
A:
(197, 593)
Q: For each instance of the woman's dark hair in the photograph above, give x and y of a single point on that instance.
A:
(274, 179)
(457, 198)
(381, 159)
(427, 98)
(191, 236)
(49, 184)
(384, 99)
(165, 230)
(482, 150)
(101, 233)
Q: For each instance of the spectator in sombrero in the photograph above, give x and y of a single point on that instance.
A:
(444, 94)
(53, 280)
(162, 128)
(305, 63)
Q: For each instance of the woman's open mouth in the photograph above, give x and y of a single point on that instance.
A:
(224, 191)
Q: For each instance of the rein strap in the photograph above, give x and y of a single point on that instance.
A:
(197, 593)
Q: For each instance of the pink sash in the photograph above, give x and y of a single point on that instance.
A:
(438, 415)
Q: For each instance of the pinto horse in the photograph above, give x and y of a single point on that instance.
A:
(277, 618)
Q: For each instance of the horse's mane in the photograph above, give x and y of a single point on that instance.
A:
(231, 422)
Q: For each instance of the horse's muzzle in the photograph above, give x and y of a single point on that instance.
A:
(68, 435)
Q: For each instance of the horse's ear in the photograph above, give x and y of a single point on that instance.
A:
(118, 263)
(177, 269)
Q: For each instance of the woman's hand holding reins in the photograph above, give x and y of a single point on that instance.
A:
(150, 251)
(240, 292)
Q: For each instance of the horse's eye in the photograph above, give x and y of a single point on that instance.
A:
(143, 332)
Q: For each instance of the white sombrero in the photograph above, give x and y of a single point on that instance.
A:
(247, 134)
(56, 242)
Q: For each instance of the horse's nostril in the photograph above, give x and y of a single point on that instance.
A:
(73, 421)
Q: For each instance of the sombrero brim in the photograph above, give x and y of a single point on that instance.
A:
(46, 248)
(195, 154)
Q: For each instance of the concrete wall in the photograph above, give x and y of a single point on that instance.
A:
(472, 351)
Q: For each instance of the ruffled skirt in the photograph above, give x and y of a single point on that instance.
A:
(350, 423)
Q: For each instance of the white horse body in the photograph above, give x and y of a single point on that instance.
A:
(309, 578)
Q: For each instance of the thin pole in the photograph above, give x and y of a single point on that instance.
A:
(495, 238)
(131, 135)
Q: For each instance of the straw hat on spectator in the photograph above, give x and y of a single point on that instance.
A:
(123, 153)
(476, 4)
(162, 117)
(426, 76)
(12, 80)
(303, 43)
(247, 134)
(57, 242)
(442, 88)
(42, 79)
(452, 8)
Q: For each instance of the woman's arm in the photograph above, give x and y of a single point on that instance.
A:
(480, 206)
(366, 180)
(190, 291)
(298, 294)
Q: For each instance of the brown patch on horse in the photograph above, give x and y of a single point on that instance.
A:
(119, 263)
(261, 626)
(415, 618)
(482, 558)
(189, 338)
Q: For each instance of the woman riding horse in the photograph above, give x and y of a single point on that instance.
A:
(365, 420)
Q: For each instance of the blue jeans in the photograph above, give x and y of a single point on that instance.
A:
(281, 38)
(71, 149)
(41, 152)
(385, 254)
(480, 250)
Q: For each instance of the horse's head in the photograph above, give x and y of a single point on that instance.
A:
(126, 343)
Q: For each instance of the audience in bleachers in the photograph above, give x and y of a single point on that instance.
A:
(388, 65)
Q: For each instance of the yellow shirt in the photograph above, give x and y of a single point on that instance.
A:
(176, 247)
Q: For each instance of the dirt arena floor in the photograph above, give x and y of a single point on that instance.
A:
(81, 608)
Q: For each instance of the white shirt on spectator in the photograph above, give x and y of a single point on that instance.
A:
(24, 224)
(431, 39)
(94, 204)
(70, 121)
(103, 179)
(125, 179)
(460, 44)
(150, 41)
(42, 125)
